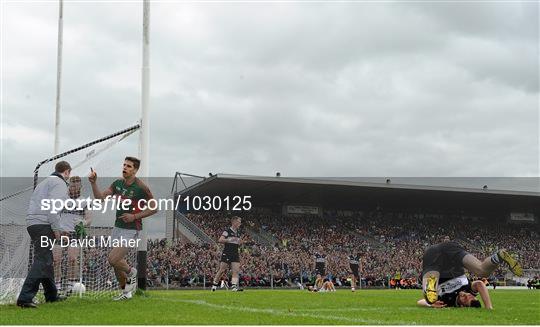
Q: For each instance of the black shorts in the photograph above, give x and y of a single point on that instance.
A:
(230, 257)
(354, 270)
(446, 258)
(319, 268)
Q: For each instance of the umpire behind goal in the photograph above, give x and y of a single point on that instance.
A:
(43, 223)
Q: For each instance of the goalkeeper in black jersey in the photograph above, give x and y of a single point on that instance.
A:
(230, 256)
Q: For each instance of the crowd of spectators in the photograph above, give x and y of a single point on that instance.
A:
(280, 248)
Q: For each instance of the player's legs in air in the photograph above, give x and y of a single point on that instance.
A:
(430, 282)
(449, 259)
(487, 267)
(126, 275)
(329, 286)
(443, 260)
(223, 267)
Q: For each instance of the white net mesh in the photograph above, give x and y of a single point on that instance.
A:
(14, 257)
(94, 270)
(95, 273)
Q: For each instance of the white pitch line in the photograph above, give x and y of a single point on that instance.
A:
(348, 309)
(280, 313)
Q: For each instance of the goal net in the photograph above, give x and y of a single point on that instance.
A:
(85, 265)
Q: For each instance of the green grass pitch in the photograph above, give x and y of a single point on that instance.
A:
(276, 307)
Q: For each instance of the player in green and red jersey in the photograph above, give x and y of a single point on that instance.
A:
(128, 223)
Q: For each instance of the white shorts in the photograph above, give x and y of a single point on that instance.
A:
(124, 236)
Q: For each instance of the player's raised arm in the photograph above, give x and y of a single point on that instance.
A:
(92, 178)
(480, 287)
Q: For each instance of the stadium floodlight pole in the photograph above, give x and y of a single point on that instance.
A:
(144, 138)
(58, 77)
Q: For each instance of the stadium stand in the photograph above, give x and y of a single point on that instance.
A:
(401, 239)
(389, 224)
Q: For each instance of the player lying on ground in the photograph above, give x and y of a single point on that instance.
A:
(327, 286)
(128, 223)
(461, 298)
(230, 256)
(72, 223)
(444, 281)
(319, 281)
(321, 285)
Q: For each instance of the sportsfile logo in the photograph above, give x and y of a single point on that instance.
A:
(55, 206)
(187, 203)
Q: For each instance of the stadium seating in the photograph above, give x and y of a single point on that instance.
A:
(391, 244)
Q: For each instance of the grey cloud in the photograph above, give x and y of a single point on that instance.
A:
(306, 89)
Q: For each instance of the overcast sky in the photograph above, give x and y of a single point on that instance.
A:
(307, 89)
